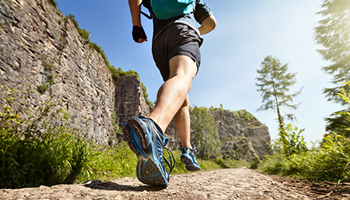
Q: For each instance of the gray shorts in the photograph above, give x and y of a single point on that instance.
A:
(176, 39)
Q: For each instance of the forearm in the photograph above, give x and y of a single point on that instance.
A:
(135, 8)
(208, 24)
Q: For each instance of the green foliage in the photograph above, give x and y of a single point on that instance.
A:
(53, 3)
(144, 90)
(332, 33)
(72, 18)
(291, 158)
(243, 114)
(290, 141)
(340, 120)
(106, 163)
(82, 32)
(33, 151)
(42, 88)
(274, 83)
(330, 162)
(205, 132)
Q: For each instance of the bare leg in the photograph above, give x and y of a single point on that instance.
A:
(173, 93)
(183, 123)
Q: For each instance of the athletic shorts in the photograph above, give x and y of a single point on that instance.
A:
(176, 39)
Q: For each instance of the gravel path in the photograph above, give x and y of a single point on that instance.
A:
(240, 183)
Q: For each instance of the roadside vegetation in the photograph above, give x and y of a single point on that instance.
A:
(35, 152)
(330, 161)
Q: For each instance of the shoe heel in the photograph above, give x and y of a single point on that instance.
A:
(128, 138)
(126, 133)
(144, 139)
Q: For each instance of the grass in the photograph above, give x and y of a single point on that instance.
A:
(329, 162)
(110, 163)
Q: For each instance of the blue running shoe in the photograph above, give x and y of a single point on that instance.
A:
(188, 158)
(147, 142)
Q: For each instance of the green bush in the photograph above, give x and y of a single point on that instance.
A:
(106, 163)
(33, 151)
(329, 162)
(53, 3)
(243, 114)
(290, 141)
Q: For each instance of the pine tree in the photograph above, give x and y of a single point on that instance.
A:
(274, 84)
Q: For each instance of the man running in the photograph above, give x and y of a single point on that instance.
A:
(175, 49)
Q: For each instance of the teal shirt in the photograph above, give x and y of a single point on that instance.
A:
(201, 12)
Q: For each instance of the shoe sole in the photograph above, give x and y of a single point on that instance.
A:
(143, 138)
(189, 164)
(147, 171)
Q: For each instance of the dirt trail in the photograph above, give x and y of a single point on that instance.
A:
(241, 183)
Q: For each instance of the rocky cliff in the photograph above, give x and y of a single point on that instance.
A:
(241, 138)
(40, 46)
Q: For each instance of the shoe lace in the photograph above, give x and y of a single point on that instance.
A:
(195, 150)
(172, 159)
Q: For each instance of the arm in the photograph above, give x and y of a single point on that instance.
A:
(135, 9)
(208, 24)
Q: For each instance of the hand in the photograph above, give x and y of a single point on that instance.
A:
(138, 34)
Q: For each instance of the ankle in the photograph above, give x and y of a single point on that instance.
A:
(157, 126)
(188, 146)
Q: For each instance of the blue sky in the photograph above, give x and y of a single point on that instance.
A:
(246, 33)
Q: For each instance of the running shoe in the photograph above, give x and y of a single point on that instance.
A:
(147, 142)
(188, 158)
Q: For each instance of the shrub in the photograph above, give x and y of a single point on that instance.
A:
(53, 3)
(243, 114)
(33, 151)
(290, 141)
(329, 162)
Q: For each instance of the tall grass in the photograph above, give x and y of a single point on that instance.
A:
(325, 163)
(34, 151)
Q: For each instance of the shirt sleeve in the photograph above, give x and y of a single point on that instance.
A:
(202, 11)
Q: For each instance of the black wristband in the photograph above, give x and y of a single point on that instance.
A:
(137, 33)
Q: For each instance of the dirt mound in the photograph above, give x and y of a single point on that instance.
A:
(241, 183)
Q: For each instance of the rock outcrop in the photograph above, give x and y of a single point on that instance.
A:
(41, 45)
(130, 101)
(241, 138)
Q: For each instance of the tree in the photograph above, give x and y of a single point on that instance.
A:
(205, 133)
(333, 33)
(274, 83)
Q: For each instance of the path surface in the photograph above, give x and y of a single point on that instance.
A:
(241, 183)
